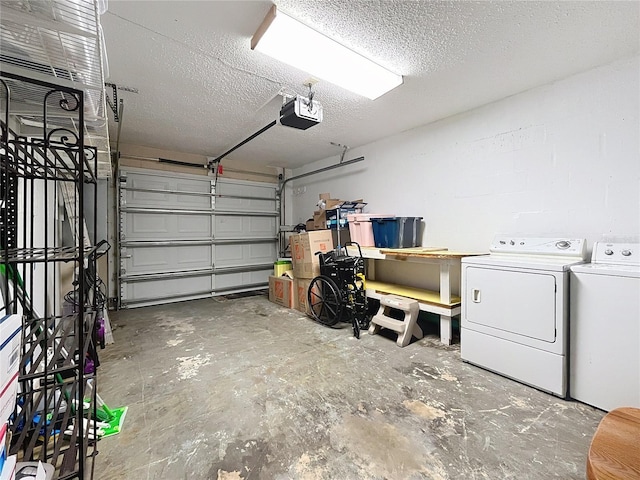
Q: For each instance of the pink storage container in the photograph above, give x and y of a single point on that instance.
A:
(360, 228)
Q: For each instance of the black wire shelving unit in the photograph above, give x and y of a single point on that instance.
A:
(45, 251)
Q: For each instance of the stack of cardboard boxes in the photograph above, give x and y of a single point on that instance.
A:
(290, 289)
(319, 221)
(332, 214)
(306, 264)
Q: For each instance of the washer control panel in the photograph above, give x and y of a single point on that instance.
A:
(616, 253)
(546, 246)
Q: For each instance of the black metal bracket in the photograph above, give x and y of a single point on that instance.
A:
(113, 106)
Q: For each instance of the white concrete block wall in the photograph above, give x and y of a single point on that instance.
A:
(561, 159)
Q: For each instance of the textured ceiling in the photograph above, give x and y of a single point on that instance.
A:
(201, 89)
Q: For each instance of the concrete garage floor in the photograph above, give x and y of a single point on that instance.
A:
(244, 389)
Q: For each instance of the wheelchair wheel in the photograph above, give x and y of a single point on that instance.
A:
(324, 300)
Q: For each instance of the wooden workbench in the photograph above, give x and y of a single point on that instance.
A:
(441, 302)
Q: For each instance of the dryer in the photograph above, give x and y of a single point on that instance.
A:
(604, 345)
(515, 304)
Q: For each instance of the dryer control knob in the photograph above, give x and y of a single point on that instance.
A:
(563, 244)
(626, 253)
(608, 251)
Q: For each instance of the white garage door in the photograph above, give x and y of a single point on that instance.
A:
(183, 237)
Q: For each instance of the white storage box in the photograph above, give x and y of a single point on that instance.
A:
(10, 338)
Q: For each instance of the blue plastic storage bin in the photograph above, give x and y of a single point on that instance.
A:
(397, 232)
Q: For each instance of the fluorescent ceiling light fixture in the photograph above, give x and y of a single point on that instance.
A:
(286, 39)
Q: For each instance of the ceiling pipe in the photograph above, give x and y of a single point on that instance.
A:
(325, 169)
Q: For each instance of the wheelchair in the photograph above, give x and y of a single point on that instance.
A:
(339, 293)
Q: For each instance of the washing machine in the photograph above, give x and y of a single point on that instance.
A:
(604, 358)
(515, 305)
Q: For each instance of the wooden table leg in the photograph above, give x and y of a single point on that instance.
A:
(446, 329)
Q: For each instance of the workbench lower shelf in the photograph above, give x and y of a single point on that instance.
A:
(428, 301)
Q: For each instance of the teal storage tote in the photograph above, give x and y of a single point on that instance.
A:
(398, 232)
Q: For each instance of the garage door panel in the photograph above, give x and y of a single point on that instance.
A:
(142, 198)
(243, 254)
(246, 189)
(157, 226)
(244, 227)
(244, 204)
(196, 186)
(141, 225)
(145, 259)
(167, 200)
(137, 194)
(245, 197)
(147, 198)
(166, 289)
(194, 226)
(223, 282)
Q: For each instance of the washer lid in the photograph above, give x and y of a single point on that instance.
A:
(631, 271)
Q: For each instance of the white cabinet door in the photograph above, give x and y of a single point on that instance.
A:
(182, 237)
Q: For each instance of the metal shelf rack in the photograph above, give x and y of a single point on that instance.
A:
(44, 252)
(58, 41)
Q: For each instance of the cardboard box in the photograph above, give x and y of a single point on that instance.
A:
(319, 220)
(281, 291)
(319, 216)
(310, 225)
(300, 288)
(328, 201)
(304, 246)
